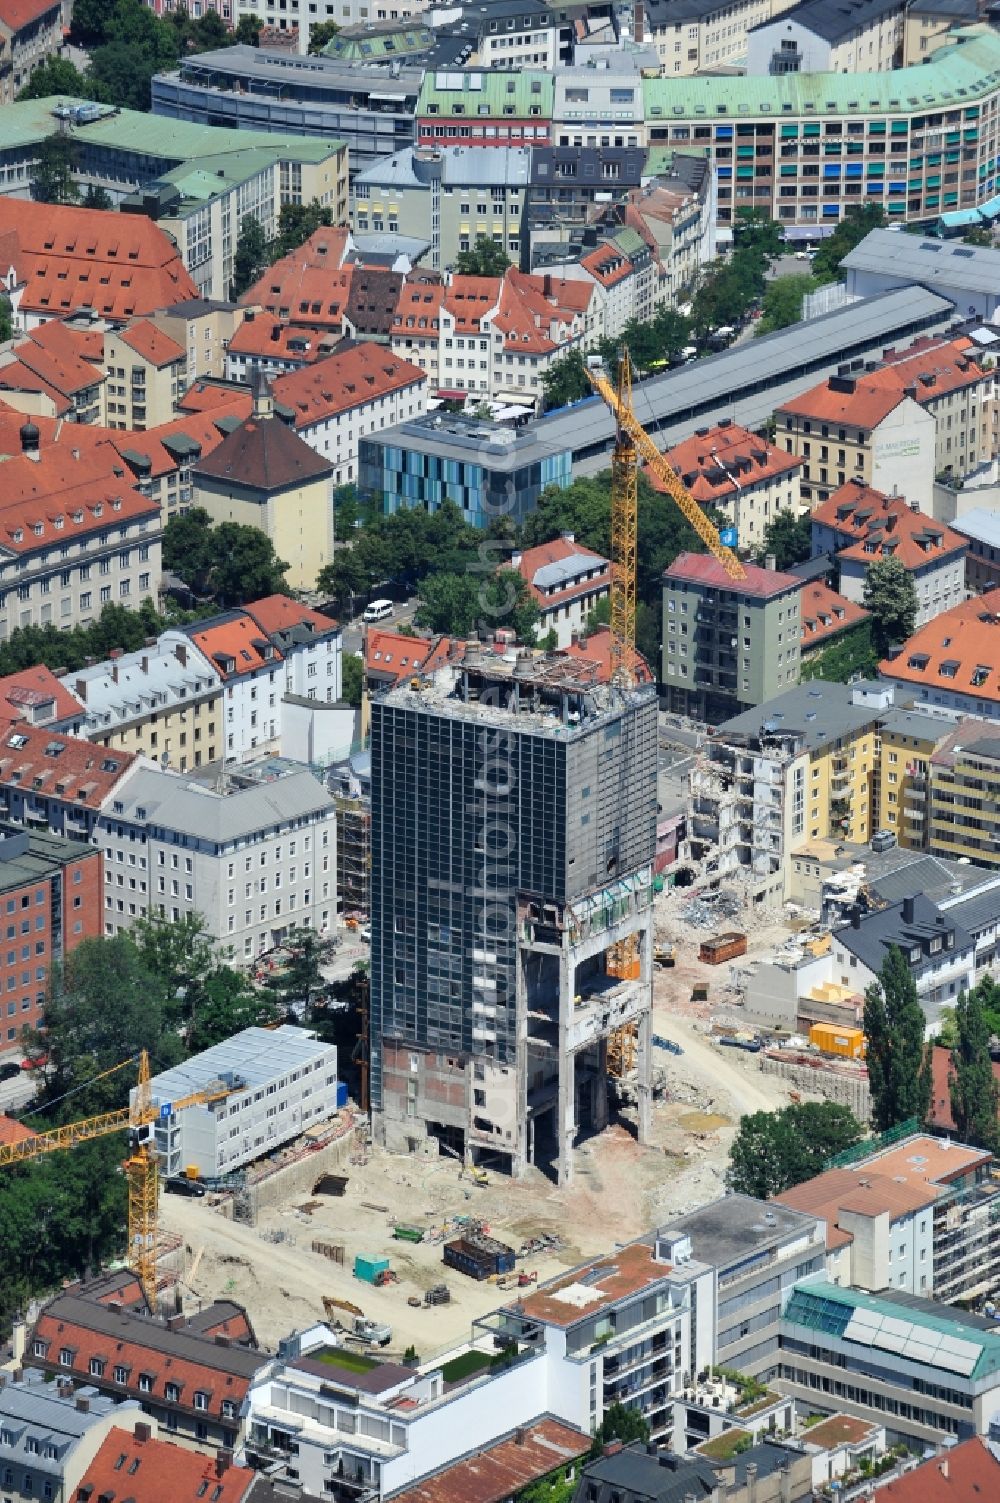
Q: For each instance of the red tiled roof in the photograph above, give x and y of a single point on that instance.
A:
(533, 560)
(210, 396)
(718, 462)
(595, 652)
(863, 1191)
(872, 525)
(30, 692)
(69, 258)
(20, 13)
(16, 376)
(79, 773)
(467, 299)
(151, 343)
(310, 285)
(58, 362)
(86, 343)
(968, 1473)
(67, 494)
(537, 314)
(419, 308)
(351, 378)
(12, 1131)
(958, 650)
(150, 1470)
(607, 265)
(825, 613)
(865, 406)
(702, 568)
(503, 1470)
(936, 367)
(942, 1073)
(280, 613)
(234, 645)
(268, 337)
(392, 655)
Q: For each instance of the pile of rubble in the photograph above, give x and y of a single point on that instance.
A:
(708, 909)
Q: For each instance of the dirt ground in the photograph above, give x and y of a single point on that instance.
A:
(619, 1189)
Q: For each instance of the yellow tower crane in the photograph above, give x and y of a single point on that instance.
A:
(140, 1166)
(631, 440)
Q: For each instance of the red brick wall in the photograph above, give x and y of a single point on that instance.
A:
(84, 913)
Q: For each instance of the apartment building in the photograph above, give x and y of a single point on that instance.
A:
(598, 107)
(862, 526)
(519, 34)
(77, 534)
(866, 37)
(36, 696)
(416, 328)
(147, 374)
(56, 371)
(950, 664)
(49, 1439)
(675, 214)
(449, 196)
(917, 1216)
(805, 150)
(264, 475)
(482, 1048)
(982, 561)
(826, 616)
(358, 391)
(939, 953)
(947, 379)
(858, 428)
(621, 268)
(472, 108)
(163, 702)
(30, 34)
(250, 667)
(959, 795)
(727, 642)
(702, 36)
(255, 857)
(802, 767)
(316, 726)
(193, 1385)
(567, 581)
(743, 476)
(487, 469)
(142, 1456)
(907, 741)
(204, 327)
(50, 899)
(283, 1081)
(266, 344)
(922, 1369)
(571, 188)
(58, 782)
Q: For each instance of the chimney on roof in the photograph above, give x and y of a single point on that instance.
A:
(520, 1436)
(114, 673)
(116, 652)
(175, 1322)
(81, 689)
(943, 1468)
(515, 558)
(263, 401)
(771, 562)
(223, 1461)
(181, 654)
(83, 1405)
(855, 917)
(568, 537)
(908, 910)
(143, 1430)
(611, 1448)
(30, 438)
(221, 1339)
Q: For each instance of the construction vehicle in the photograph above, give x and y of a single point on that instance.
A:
(343, 1316)
(334, 1306)
(665, 955)
(478, 1176)
(141, 1170)
(403, 1233)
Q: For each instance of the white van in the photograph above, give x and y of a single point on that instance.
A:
(378, 610)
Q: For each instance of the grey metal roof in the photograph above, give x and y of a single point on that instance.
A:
(256, 1056)
(833, 22)
(460, 166)
(651, 1476)
(878, 931)
(565, 571)
(734, 1226)
(982, 524)
(471, 440)
(924, 874)
(189, 808)
(915, 723)
(290, 70)
(946, 263)
(819, 710)
(977, 912)
(140, 1330)
(32, 1410)
(749, 380)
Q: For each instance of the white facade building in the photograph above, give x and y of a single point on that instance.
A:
(284, 1080)
(254, 860)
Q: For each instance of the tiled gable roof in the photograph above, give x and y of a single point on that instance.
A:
(150, 1470)
(349, 378)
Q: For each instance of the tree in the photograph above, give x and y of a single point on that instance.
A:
(850, 655)
(566, 381)
(228, 1003)
(352, 675)
(891, 597)
(975, 1098)
(462, 604)
(320, 34)
(774, 1150)
(97, 198)
(245, 566)
(783, 303)
(6, 319)
(89, 24)
(981, 235)
(188, 549)
(297, 222)
(620, 1423)
(52, 181)
(301, 977)
(248, 30)
(599, 616)
(250, 257)
(136, 45)
(859, 221)
(56, 75)
(178, 952)
(486, 259)
(788, 538)
(898, 1062)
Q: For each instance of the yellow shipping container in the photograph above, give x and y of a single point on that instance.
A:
(848, 1043)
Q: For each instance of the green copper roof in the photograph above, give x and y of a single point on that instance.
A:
(957, 75)
(466, 95)
(378, 45)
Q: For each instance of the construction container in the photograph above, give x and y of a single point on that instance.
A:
(408, 1233)
(722, 947)
(847, 1043)
(341, 1094)
(478, 1256)
(368, 1269)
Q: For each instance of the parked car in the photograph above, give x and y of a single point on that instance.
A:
(10, 1069)
(179, 1184)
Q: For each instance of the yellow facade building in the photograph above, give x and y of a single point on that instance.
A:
(263, 475)
(907, 740)
(146, 376)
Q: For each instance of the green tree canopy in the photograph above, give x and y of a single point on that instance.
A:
(248, 30)
(898, 1061)
(891, 597)
(858, 222)
(232, 562)
(404, 548)
(352, 674)
(56, 75)
(90, 20)
(250, 258)
(788, 538)
(774, 1150)
(620, 1423)
(320, 35)
(783, 302)
(850, 655)
(297, 222)
(565, 380)
(52, 180)
(485, 259)
(136, 45)
(227, 1003)
(301, 976)
(461, 604)
(975, 1099)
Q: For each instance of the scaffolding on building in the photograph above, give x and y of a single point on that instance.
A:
(354, 853)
